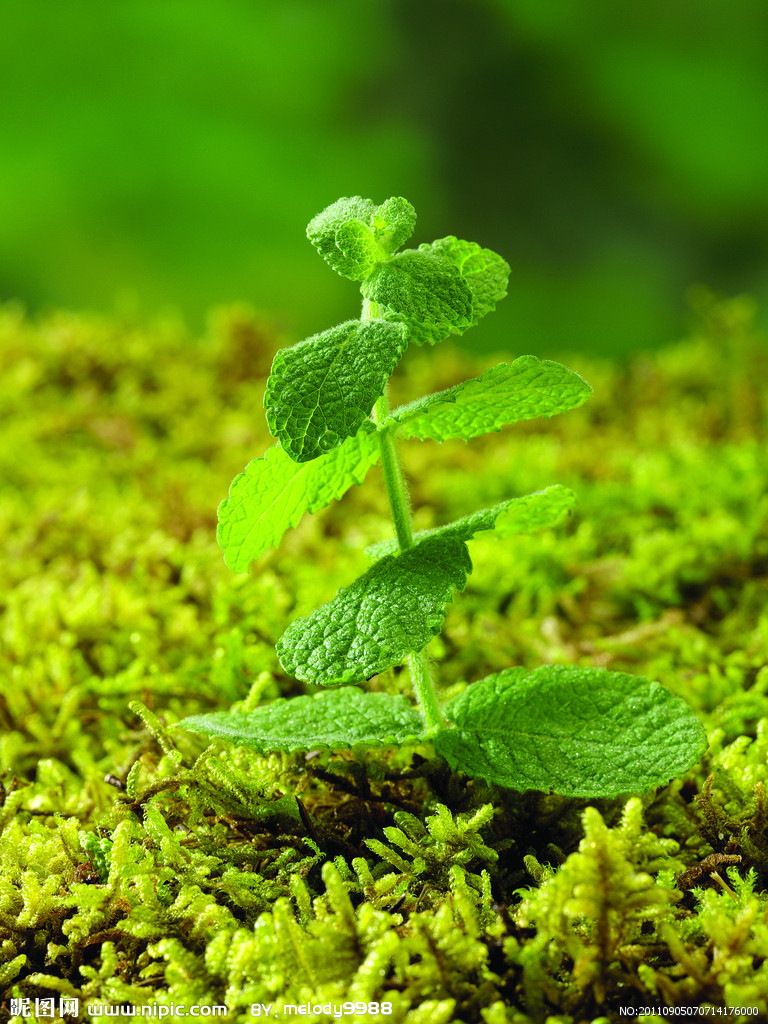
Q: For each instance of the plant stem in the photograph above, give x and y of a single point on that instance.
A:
(421, 677)
(397, 489)
(399, 503)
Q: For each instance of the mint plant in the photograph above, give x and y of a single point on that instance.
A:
(578, 731)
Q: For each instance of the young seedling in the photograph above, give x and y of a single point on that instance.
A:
(577, 731)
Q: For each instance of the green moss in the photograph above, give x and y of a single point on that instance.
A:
(202, 875)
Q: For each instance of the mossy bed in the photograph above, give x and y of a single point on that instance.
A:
(141, 868)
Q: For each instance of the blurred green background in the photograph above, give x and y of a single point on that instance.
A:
(160, 154)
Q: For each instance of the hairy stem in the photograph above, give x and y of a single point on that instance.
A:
(421, 677)
(399, 503)
(397, 489)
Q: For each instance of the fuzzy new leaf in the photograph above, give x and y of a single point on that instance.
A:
(516, 515)
(423, 290)
(274, 492)
(506, 393)
(580, 732)
(484, 272)
(393, 223)
(353, 234)
(394, 608)
(340, 718)
(320, 391)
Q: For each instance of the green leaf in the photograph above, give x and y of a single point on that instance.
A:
(343, 238)
(353, 234)
(507, 393)
(516, 515)
(393, 223)
(274, 492)
(483, 270)
(338, 719)
(425, 291)
(357, 248)
(320, 391)
(580, 732)
(394, 608)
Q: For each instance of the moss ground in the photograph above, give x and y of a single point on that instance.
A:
(141, 868)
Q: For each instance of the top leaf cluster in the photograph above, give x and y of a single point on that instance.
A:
(322, 389)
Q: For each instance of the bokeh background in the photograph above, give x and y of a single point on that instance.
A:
(167, 154)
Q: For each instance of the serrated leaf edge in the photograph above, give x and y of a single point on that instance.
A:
(386, 547)
(358, 474)
(399, 418)
(196, 723)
